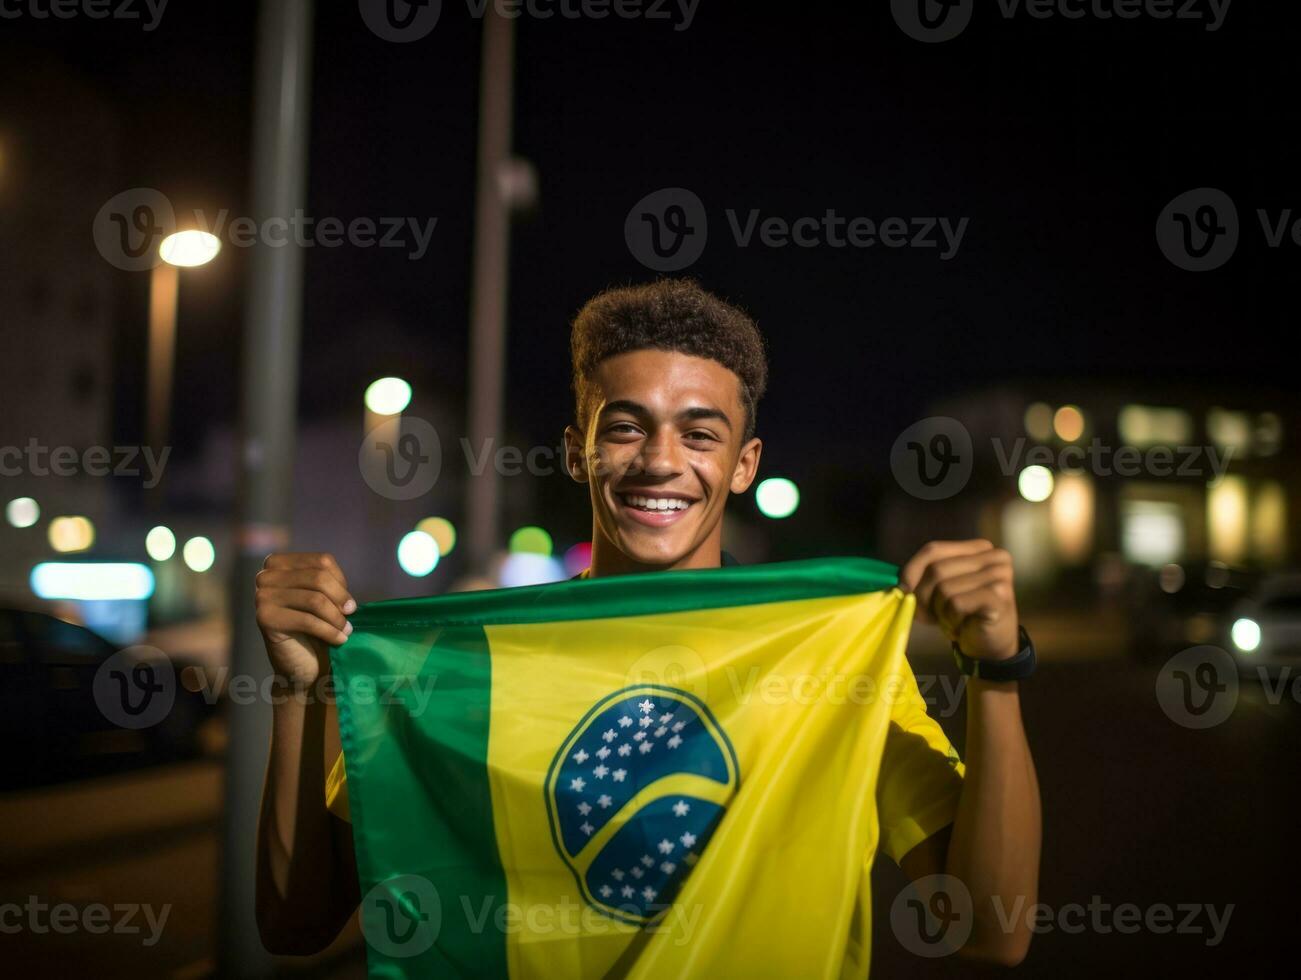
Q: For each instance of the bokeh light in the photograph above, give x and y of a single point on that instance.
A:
(1068, 423)
(199, 554)
(1035, 483)
(160, 543)
(578, 557)
(22, 512)
(531, 540)
(1245, 634)
(189, 248)
(418, 553)
(777, 497)
(442, 531)
(388, 396)
(71, 534)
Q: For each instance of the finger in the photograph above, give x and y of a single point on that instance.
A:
(308, 601)
(955, 575)
(315, 579)
(987, 603)
(282, 620)
(306, 559)
(911, 572)
(948, 568)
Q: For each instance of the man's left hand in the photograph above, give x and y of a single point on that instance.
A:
(966, 588)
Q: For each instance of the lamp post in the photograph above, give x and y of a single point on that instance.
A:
(183, 250)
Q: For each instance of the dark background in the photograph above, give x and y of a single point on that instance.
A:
(1060, 140)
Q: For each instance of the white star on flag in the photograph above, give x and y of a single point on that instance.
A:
(609, 735)
(668, 867)
(625, 749)
(587, 828)
(625, 721)
(584, 808)
(627, 891)
(606, 891)
(647, 860)
(648, 893)
(665, 846)
(665, 719)
(638, 736)
(636, 872)
(674, 741)
(603, 752)
(687, 839)
(577, 783)
(646, 747)
(681, 808)
(603, 801)
(659, 732)
(616, 874)
(580, 757)
(646, 721)
(599, 772)
(618, 775)
(647, 705)
(678, 726)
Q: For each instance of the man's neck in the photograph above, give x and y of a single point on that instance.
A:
(609, 560)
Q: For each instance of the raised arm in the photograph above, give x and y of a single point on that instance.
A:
(306, 873)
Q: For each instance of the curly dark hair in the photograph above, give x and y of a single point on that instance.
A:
(668, 314)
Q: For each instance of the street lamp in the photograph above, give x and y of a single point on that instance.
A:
(182, 250)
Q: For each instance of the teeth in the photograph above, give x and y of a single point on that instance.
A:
(656, 503)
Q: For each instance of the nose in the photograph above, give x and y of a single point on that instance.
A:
(659, 455)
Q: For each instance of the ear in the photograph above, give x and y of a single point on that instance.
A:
(575, 455)
(746, 466)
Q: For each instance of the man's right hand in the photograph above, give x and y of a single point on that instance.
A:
(302, 602)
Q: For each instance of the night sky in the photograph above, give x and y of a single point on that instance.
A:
(1060, 141)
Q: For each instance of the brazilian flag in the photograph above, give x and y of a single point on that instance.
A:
(674, 774)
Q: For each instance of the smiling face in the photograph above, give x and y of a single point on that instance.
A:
(665, 445)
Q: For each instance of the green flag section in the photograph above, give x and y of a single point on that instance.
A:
(675, 774)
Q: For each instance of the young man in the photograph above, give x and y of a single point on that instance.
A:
(667, 381)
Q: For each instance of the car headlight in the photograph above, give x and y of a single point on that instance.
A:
(1245, 634)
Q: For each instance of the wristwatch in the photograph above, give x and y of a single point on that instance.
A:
(1014, 668)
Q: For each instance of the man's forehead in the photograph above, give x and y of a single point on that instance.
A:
(667, 380)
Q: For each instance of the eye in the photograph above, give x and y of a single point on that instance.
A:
(622, 428)
(701, 435)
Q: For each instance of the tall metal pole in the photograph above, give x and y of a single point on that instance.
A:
(269, 401)
(488, 301)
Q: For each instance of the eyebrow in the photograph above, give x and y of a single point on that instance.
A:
(695, 413)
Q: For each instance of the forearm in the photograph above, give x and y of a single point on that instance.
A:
(995, 843)
(301, 892)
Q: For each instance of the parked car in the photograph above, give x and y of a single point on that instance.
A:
(58, 684)
(1180, 606)
(1264, 629)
